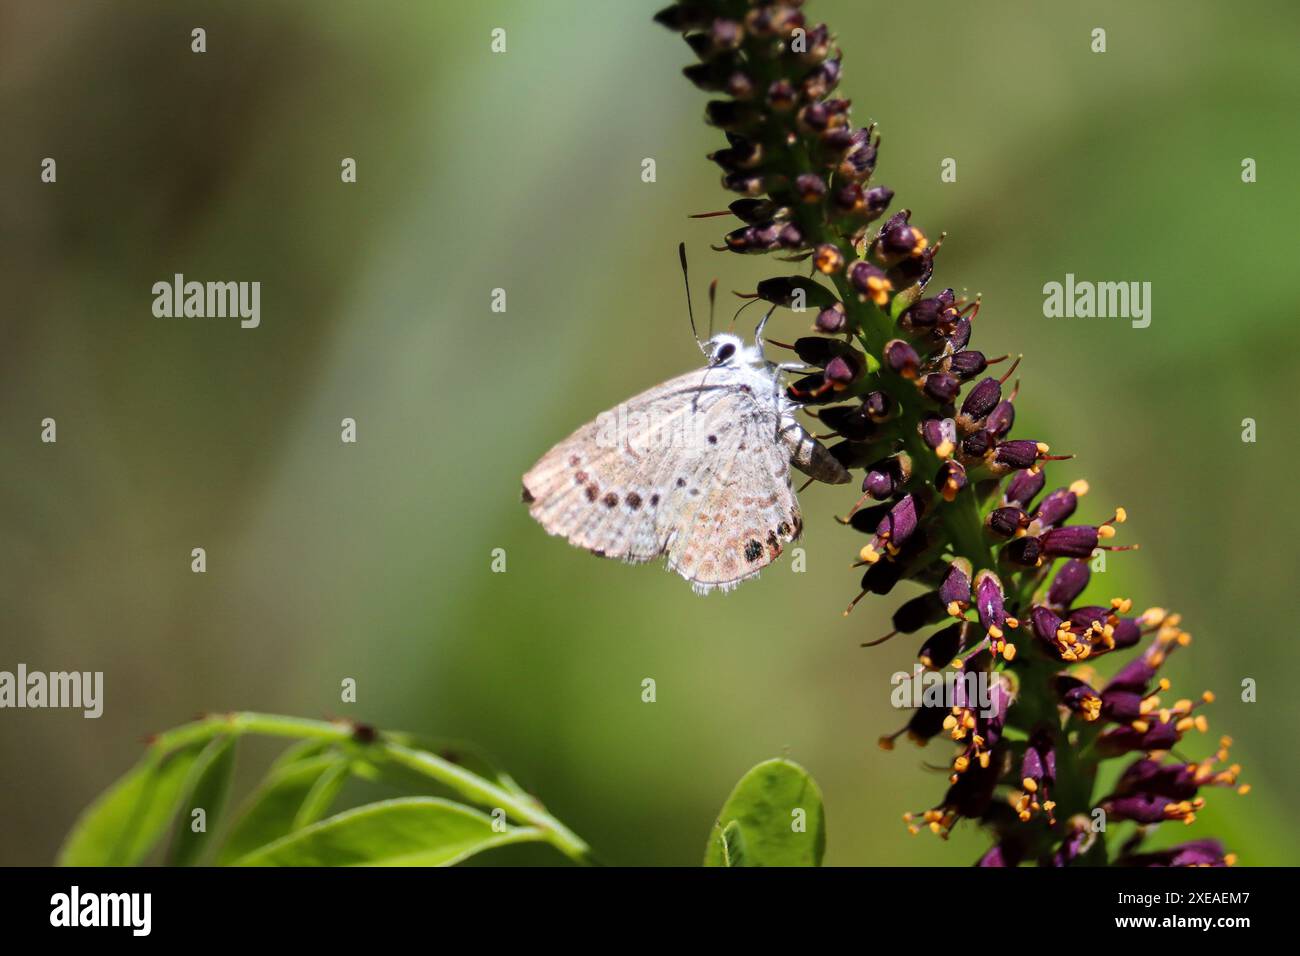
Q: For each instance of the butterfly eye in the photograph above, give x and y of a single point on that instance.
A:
(725, 352)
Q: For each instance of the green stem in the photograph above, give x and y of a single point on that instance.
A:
(470, 785)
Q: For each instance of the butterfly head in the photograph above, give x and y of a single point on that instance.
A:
(725, 349)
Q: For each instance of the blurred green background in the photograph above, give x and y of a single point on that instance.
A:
(522, 171)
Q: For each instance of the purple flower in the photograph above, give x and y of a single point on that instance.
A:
(951, 498)
(1194, 853)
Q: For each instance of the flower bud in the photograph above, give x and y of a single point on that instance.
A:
(940, 434)
(941, 647)
(745, 183)
(999, 421)
(817, 116)
(1070, 580)
(859, 160)
(1194, 853)
(917, 612)
(894, 529)
(877, 405)
(781, 290)
(959, 336)
(838, 139)
(979, 401)
(849, 198)
(828, 259)
(732, 116)
(1038, 772)
(810, 187)
(887, 476)
(955, 591)
(898, 239)
(1006, 522)
(711, 77)
(870, 282)
(745, 154)
(817, 49)
(967, 364)
(977, 445)
(1026, 552)
(725, 35)
(753, 211)
(1023, 487)
(901, 358)
(951, 479)
(1046, 624)
(831, 320)
(851, 421)
(913, 271)
(811, 390)
(1017, 453)
(1127, 632)
(843, 370)
(818, 350)
(941, 386)
(781, 96)
(740, 86)
(881, 577)
(1076, 541)
(1056, 507)
(1078, 697)
(926, 722)
(875, 201)
(989, 598)
(926, 314)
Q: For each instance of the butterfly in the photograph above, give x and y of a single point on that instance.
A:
(696, 469)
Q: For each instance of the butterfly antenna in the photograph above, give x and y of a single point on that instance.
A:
(713, 300)
(741, 309)
(686, 280)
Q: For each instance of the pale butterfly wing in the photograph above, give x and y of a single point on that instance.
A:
(691, 469)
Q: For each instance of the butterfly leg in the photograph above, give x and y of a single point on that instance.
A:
(799, 369)
(758, 332)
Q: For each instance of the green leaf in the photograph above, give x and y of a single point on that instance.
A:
(129, 818)
(408, 831)
(733, 845)
(300, 750)
(207, 788)
(774, 817)
(270, 813)
(321, 796)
